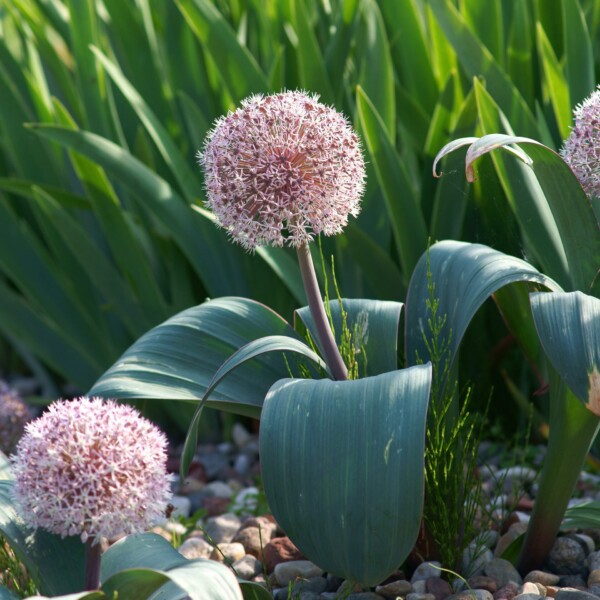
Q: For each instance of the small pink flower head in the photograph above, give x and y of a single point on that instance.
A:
(281, 169)
(14, 415)
(581, 150)
(91, 468)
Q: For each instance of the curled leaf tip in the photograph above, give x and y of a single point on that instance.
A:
(594, 392)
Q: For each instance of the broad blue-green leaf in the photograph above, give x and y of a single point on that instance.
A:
(342, 465)
(465, 276)
(126, 560)
(253, 349)
(6, 594)
(375, 322)
(583, 516)
(569, 328)
(177, 359)
(56, 565)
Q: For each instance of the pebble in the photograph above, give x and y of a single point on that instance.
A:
(507, 592)
(222, 528)
(472, 595)
(437, 586)
(217, 489)
(240, 435)
(182, 506)
(394, 589)
(531, 588)
(250, 538)
(542, 577)
(416, 596)
(574, 595)
(502, 571)
(483, 582)
(247, 567)
(280, 550)
(315, 585)
(566, 557)
(475, 558)
(426, 570)
(195, 547)
(285, 572)
(420, 587)
(534, 596)
(228, 552)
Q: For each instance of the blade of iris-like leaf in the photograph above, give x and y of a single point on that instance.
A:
(376, 71)
(579, 54)
(186, 178)
(410, 50)
(311, 63)
(253, 349)
(84, 32)
(214, 259)
(556, 83)
(519, 66)
(361, 520)
(237, 67)
(477, 61)
(408, 224)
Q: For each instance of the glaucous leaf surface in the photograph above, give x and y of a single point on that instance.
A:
(376, 324)
(568, 325)
(465, 276)
(342, 465)
(252, 350)
(126, 560)
(177, 359)
(55, 564)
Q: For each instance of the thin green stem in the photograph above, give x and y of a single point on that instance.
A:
(326, 341)
(93, 552)
(572, 431)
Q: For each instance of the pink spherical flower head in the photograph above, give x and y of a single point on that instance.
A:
(14, 415)
(581, 150)
(281, 169)
(92, 468)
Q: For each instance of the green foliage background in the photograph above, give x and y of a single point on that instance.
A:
(104, 103)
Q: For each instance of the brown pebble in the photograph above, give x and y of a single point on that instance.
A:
(593, 577)
(542, 577)
(394, 589)
(482, 582)
(552, 590)
(525, 503)
(279, 550)
(507, 592)
(438, 587)
(250, 538)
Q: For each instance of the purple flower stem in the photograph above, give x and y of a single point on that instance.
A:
(332, 354)
(93, 552)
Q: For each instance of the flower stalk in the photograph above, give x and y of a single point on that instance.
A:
(93, 553)
(331, 352)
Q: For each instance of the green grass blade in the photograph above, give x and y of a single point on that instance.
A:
(519, 62)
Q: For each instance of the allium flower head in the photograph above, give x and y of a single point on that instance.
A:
(92, 468)
(581, 150)
(14, 415)
(282, 168)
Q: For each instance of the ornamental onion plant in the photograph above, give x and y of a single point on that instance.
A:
(94, 469)
(280, 170)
